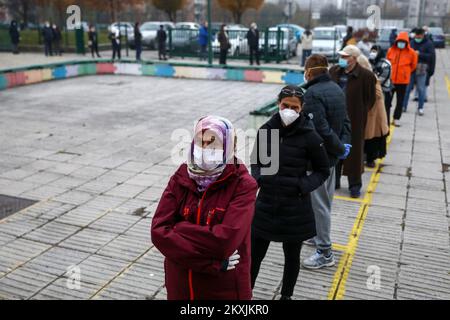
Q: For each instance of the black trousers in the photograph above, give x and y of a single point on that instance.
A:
(223, 56)
(116, 50)
(388, 105)
(291, 262)
(162, 51)
(15, 48)
(400, 90)
(94, 49)
(57, 47)
(353, 182)
(254, 52)
(48, 48)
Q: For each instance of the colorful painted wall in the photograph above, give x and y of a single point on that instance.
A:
(36, 74)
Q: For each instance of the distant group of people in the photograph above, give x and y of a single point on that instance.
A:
(413, 59)
(223, 39)
(52, 37)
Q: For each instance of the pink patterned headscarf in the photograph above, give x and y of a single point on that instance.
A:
(223, 129)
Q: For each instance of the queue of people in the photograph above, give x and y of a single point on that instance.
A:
(212, 224)
(215, 221)
(339, 115)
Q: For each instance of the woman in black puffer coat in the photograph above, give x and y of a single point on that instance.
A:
(283, 207)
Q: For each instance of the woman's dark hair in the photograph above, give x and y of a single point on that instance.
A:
(380, 53)
(291, 91)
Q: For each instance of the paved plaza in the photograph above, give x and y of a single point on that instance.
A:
(7, 60)
(95, 153)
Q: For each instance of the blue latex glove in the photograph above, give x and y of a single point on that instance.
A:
(348, 147)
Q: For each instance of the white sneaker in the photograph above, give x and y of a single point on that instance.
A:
(421, 113)
(318, 261)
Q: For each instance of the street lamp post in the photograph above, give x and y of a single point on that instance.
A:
(210, 53)
(310, 13)
(289, 15)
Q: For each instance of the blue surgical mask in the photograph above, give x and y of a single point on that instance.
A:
(343, 63)
(418, 40)
(401, 45)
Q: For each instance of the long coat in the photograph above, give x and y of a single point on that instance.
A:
(283, 207)
(198, 232)
(360, 96)
(14, 33)
(224, 41)
(253, 38)
(377, 118)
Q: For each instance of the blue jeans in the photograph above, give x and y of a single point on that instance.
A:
(305, 55)
(138, 51)
(420, 81)
(416, 94)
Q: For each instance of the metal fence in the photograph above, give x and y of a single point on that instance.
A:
(274, 45)
(31, 39)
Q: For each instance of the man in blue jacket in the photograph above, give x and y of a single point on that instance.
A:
(325, 102)
(203, 40)
(425, 49)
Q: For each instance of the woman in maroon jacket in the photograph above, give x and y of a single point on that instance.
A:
(202, 223)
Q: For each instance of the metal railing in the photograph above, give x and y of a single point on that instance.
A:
(274, 45)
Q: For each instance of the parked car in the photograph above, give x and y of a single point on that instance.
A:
(438, 37)
(327, 41)
(383, 38)
(185, 38)
(342, 29)
(125, 28)
(298, 31)
(187, 25)
(149, 31)
(288, 42)
(237, 36)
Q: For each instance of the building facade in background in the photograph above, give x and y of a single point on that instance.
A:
(200, 10)
(419, 12)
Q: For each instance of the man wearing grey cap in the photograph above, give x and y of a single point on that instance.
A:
(359, 86)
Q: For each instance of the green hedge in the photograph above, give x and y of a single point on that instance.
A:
(31, 38)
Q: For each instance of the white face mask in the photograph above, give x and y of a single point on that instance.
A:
(373, 55)
(207, 159)
(288, 116)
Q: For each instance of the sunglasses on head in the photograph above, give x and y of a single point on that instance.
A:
(292, 92)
